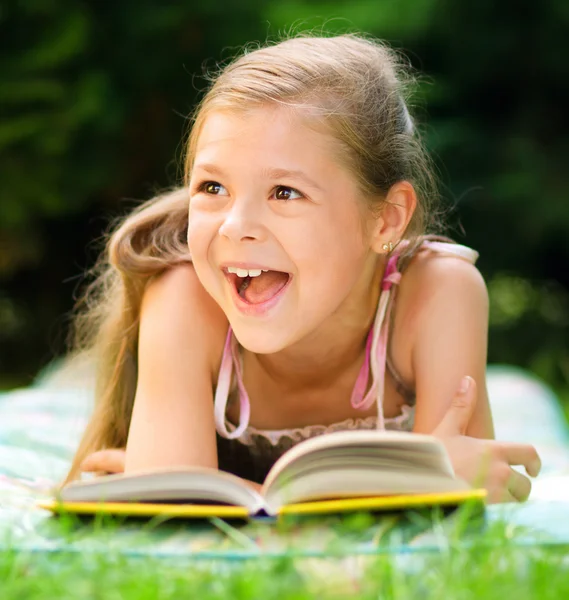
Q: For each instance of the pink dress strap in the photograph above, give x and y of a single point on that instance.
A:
(452, 250)
(377, 340)
(230, 362)
(374, 345)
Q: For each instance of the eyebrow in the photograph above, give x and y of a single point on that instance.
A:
(271, 173)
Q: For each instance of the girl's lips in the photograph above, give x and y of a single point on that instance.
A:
(254, 309)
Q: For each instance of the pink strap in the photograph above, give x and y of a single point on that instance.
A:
(222, 391)
(378, 366)
(391, 276)
(454, 249)
(357, 399)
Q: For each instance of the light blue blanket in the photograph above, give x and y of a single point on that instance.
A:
(40, 428)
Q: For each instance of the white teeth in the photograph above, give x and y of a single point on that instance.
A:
(246, 272)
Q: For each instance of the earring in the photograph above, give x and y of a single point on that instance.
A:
(388, 247)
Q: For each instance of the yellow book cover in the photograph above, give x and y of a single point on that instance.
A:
(320, 507)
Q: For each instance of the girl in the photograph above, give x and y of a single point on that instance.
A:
(289, 289)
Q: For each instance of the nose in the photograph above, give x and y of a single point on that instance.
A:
(242, 223)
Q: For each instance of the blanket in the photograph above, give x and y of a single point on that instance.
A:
(40, 428)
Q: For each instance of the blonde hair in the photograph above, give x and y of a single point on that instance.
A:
(358, 88)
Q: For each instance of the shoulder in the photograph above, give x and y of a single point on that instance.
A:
(437, 291)
(433, 274)
(175, 304)
(448, 299)
(179, 283)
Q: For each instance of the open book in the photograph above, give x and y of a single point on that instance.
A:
(338, 472)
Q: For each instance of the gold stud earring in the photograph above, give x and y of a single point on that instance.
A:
(388, 247)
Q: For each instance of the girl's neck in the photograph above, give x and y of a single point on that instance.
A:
(336, 347)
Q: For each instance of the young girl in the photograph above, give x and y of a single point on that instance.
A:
(289, 289)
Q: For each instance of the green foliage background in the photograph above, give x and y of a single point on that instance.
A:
(94, 98)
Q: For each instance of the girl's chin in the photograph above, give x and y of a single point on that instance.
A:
(262, 340)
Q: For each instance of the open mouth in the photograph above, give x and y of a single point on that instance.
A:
(258, 286)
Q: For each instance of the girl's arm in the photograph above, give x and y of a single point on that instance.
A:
(182, 331)
(447, 309)
(450, 339)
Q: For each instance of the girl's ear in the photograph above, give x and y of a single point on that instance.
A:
(396, 212)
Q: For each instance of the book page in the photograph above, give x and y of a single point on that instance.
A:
(422, 449)
(350, 483)
(191, 484)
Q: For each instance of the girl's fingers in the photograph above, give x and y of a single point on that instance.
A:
(519, 486)
(501, 496)
(522, 454)
(457, 416)
(110, 461)
(515, 488)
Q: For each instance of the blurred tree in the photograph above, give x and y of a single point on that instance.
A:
(94, 99)
(94, 103)
(496, 95)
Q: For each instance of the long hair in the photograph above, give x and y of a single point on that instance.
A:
(151, 240)
(356, 88)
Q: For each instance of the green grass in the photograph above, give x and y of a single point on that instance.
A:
(494, 565)
(477, 573)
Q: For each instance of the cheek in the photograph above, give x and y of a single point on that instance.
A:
(199, 243)
(330, 257)
(332, 278)
(201, 231)
(194, 238)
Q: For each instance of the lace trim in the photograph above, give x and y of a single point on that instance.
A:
(402, 422)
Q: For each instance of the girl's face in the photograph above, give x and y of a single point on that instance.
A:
(268, 194)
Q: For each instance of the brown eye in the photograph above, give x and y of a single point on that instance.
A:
(282, 192)
(213, 188)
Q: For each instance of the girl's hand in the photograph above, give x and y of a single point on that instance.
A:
(481, 462)
(105, 461)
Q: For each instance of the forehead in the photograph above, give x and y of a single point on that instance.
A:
(269, 134)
